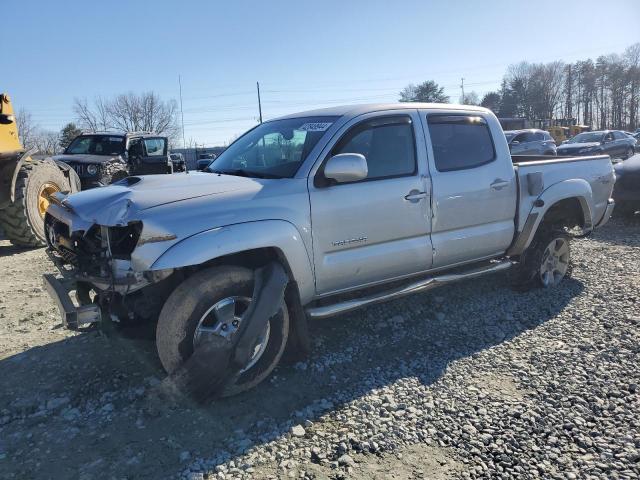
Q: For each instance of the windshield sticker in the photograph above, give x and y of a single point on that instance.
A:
(315, 127)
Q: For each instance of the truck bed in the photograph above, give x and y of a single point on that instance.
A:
(537, 173)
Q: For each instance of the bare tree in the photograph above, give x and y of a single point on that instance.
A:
(129, 112)
(27, 128)
(92, 118)
(470, 98)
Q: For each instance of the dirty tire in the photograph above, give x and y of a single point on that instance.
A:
(21, 221)
(191, 299)
(113, 172)
(526, 274)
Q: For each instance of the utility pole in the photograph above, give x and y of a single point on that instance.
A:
(184, 144)
(462, 87)
(259, 102)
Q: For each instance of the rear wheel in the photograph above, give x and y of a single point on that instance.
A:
(630, 153)
(215, 301)
(546, 262)
(23, 220)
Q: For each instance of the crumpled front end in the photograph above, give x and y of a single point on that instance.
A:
(96, 262)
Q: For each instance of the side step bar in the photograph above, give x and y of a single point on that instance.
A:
(326, 311)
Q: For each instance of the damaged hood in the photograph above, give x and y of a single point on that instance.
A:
(86, 158)
(123, 201)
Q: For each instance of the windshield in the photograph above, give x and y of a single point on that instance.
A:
(96, 145)
(509, 135)
(587, 137)
(273, 149)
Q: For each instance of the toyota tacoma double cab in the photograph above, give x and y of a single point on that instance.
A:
(100, 159)
(326, 211)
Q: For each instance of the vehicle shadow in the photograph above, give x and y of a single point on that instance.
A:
(85, 406)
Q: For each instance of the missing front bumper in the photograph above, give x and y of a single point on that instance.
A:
(72, 317)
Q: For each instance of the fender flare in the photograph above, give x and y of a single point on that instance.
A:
(20, 158)
(70, 173)
(578, 189)
(237, 238)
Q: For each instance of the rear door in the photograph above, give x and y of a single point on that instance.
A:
(376, 229)
(473, 187)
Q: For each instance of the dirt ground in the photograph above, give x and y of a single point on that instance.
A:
(78, 404)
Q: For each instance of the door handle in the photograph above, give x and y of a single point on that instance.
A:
(415, 196)
(499, 184)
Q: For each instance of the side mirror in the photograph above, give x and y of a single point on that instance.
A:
(6, 119)
(515, 142)
(346, 167)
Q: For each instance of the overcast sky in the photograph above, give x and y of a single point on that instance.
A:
(305, 54)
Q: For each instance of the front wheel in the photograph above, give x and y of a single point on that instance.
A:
(214, 301)
(546, 262)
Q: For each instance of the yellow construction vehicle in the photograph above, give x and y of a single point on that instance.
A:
(26, 184)
(559, 134)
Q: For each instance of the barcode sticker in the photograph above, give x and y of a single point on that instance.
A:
(315, 127)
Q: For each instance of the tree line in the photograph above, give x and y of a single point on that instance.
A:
(603, 93)
(127, 112)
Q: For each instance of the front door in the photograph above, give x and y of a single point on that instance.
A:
(378, 228)
(474, 188)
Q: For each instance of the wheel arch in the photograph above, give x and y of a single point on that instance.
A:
(568, 203)
(249, 244)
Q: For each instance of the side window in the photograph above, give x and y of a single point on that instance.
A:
(529, 137)
(154, 146)
(618, 135)
(387, 143)
(519, 138)
(547, 136)
(460, 141)
(608, 137)
(539, 137)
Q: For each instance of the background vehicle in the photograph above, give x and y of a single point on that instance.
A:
(559, 133)
(204, 160)
(100, 159)
(606, 142)
(26, 184)
(530, 142)
(403, 197)
(178, 163)
(627, 189)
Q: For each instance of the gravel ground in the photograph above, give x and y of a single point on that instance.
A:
(468, 381)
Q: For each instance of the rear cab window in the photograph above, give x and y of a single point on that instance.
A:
(460, 141)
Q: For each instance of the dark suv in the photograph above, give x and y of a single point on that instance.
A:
(103, 158)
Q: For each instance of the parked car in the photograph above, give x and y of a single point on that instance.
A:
(100, 159)
(608, 142)
(178, 163)
(530, 142)
(204, 160)
(627, 189)
(317, 208)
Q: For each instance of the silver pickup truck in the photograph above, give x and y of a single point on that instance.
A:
(357, 204)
